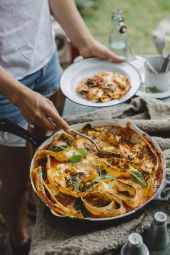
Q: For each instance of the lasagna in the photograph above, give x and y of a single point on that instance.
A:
(104, 87)
(72, 180)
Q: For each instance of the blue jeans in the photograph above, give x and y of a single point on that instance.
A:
(45, 81)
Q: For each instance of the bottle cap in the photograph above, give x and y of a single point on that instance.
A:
(160, 218)
(118, 13)
(134, 240)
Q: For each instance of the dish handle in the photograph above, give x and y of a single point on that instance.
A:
(12, 128)
(159, 196)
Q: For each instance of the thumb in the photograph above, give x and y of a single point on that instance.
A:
(112, 56)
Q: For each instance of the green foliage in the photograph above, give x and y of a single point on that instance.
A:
(142, 17)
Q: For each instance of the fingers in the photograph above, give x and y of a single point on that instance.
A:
(48, 117)
(40, 111)
(47, 124)
(111, 56)
(56, 120)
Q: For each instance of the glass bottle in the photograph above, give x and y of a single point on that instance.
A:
(118, 34)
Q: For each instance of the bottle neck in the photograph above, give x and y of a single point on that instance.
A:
(120, 26)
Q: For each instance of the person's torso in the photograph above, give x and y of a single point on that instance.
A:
(26, 42)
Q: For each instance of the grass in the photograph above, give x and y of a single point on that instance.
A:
(142, 17)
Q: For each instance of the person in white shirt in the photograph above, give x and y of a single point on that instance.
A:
(29, 73)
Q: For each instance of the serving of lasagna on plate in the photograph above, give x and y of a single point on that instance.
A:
(104, 87)
(72, 180)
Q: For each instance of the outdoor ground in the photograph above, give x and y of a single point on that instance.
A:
(4, 240)
(5, 248)
(142, 17)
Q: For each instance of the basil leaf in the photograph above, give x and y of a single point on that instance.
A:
(58, 148)
(88, 186)
(108, 176)
(103, 177)
(73, 181)
(98, 179)
(68, 181)
(76, 183)
(139, 178)
(103, 172)
(83, 151)
(75, 158)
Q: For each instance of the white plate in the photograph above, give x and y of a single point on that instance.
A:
(86, 68)
(139, 64)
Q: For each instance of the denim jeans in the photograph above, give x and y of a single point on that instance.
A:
(45, 81)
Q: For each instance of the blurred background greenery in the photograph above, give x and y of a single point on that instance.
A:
(142, 17)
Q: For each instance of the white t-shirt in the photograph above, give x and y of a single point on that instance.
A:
(26, 41)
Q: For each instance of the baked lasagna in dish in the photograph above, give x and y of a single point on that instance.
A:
(104, 87)
(70, 177)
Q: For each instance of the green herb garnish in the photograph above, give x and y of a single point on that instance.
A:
(74, 181)
(152, 90)
(139, 178)
(103, 175)
(75, 158)
(83, 152)
(58, 148)
(68, 181)
(102, 172)
(149, 89)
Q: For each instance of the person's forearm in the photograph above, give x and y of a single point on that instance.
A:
(66, 13)
(10, 87)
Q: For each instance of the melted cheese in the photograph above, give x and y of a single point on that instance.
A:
(105, 186)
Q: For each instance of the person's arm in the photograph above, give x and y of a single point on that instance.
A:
(66, 13)
(35, 108)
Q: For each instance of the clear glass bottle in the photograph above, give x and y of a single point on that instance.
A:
(118, 34)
